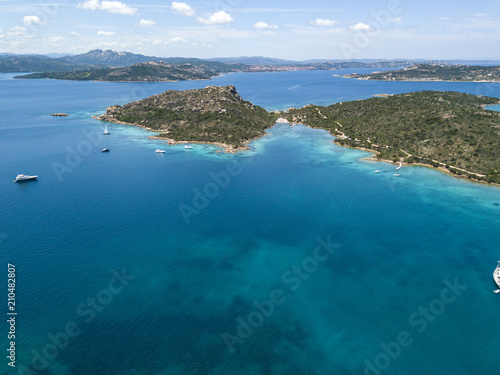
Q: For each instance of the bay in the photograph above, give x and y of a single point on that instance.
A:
(398, 242)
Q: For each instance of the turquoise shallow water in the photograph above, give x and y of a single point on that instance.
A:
(398, 243)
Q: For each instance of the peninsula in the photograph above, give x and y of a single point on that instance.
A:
(447, 130)
(216, 115)
(436, 72)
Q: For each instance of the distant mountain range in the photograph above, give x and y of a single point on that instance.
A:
(36, 63)
(108, 65)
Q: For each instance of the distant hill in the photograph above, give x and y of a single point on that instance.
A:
(109, 58)
(321, 64)
(143, 72)
(254, 60)
(35, 63)
(437, 72)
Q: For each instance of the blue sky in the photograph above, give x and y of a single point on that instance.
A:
(291, 29)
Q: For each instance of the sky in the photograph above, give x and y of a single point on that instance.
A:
(291, 29)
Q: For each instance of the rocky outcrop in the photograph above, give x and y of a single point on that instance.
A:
(214, 114)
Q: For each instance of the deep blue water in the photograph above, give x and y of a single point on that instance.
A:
(398, 243)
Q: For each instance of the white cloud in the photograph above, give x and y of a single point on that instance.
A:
(216, 19)
(90, 5)
(324, 22)
(74, 33)
(110, 6)
(56, 39)
(106, 33)
(264, 25)
(183, 9)
(32, 20)
(147, 23)
(360, 26)
(178, 40)
(17, 30)
(443, 19)
(118, 7)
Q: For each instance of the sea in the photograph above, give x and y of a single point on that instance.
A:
(290, 258)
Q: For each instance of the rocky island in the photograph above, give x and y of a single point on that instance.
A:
(447, 130)
(216, 115)
(436, 72)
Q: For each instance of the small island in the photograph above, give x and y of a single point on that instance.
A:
(216, 115)
(447, 130)
(436, 72)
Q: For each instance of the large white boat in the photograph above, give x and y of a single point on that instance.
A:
(24, 177)
(496, 277)
(106, 132)
(160, 151)
(188, 146)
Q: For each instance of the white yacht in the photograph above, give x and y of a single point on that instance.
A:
(187, 146)
(496, 277)
(106, 132)
(24, 177)
(160, 151)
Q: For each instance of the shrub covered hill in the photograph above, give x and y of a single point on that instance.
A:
(436, 72)
(441, 129)
(142, 72)
(213, 115)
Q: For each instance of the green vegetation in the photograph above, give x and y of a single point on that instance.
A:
(212, 115)
(435, 72)
(33, 63)
(442, 129)
(446, 129)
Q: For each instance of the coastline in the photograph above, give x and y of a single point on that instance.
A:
(227, 148)
(420, 80)
(373, 157)
(105, 80)
(405, 164)
(232, 150)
